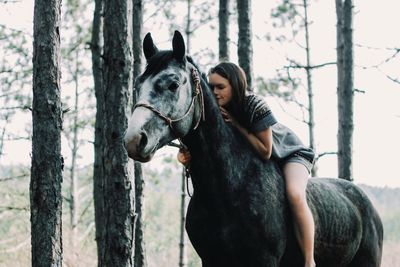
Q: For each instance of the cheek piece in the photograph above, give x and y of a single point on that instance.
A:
(197, 94)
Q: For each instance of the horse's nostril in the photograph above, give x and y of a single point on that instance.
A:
(143, 141)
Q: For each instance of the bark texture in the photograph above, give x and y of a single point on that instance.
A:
(98, 174)
(245, 47)
(188, 30)
(47, 162)
(119, 191)
(345, 90)
(182, 240)
(137, 25)
(140, 248)
(223, 38)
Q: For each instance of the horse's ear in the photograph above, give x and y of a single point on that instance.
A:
(149, 48)
(178, 46)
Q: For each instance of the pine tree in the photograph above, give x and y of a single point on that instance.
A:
(119, 204)
(245, 47)
(223, 22)
(96, 46)
(47, 162)
(137, 25)
(345, 90)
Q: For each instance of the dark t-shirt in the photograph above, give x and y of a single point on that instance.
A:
(285, 142)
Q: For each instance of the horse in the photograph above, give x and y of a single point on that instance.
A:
(238, 215)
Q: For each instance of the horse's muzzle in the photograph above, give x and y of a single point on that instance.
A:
(136, 147)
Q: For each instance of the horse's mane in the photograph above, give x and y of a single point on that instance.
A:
(202, 74)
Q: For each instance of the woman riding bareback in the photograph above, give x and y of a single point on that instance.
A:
(251, 115)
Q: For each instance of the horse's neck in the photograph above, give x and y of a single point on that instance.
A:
(212, 147)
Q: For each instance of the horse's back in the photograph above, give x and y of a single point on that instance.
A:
(345, 219)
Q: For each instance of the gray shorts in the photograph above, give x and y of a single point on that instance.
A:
(298, 158)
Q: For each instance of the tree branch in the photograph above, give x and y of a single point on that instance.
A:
(318, 156)
(395, 80)
(85, 210)
(17, 247)
(299, 66)
(17, 107)
(15, 208)
(9, 1)
(14, 177)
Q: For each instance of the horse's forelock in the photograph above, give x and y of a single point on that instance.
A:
(157, 63)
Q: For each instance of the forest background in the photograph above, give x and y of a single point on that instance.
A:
(277, 43)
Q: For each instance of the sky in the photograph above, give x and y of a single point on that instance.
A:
(376, 142)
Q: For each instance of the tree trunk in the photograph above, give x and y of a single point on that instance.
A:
(74, 198)
(118, 191)
(223, 39)
(245, 48)
(345, 91)
(182, 243)
(310, 92)
(98, 173)
(137, 25)
(188, 26)
(47, 162)
(140, 248)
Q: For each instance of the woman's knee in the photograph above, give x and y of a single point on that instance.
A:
(296, 178)
(296, 196)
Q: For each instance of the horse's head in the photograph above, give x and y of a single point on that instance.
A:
(167, 98)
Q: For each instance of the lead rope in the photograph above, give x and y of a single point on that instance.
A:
(186, 168)
(198, 93)
(187, 175)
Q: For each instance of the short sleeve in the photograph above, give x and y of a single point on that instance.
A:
(259, 114)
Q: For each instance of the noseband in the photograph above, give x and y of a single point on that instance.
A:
(198, 93)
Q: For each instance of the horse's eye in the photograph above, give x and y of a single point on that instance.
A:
(158, 87)
(173, 86)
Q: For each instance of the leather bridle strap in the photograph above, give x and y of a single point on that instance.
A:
(197, 93)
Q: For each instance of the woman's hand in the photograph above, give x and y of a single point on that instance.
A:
(228, 117)
(184, 156)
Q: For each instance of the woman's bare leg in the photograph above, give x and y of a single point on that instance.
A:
(296, 178)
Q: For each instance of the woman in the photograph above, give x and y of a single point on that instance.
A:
(271, 140)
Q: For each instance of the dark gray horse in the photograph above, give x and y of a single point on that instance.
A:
(238, 215)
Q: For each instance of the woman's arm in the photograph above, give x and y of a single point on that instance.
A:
(260, 141)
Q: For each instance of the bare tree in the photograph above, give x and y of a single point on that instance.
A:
(310, 92)
(74, 197)
(345, 90)
(47, 162)
(288, 11)
(223, 38)
(245, 47)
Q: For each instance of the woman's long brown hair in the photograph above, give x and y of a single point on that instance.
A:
(237, 79)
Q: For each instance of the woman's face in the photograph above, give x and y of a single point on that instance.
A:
(221, 88)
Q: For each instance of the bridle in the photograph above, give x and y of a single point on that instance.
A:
(198, 93)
